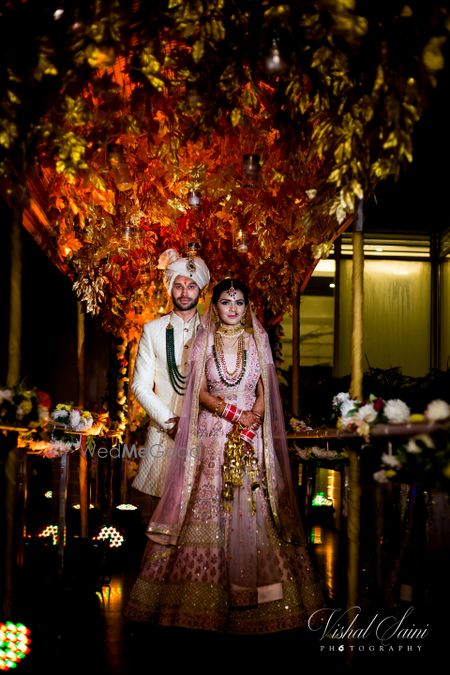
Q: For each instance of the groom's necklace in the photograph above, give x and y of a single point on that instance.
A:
(177, 380)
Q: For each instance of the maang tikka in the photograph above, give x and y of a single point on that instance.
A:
(231, 292)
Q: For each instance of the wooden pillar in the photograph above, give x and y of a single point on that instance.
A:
(295, 390)
(15, 302)
(353, 531)
(356, 391)
(337, 309)
(357, 306)
(14, 456)
(81, 334)
(84, 492)
(435, 301)
(62, 505)
(83, 469)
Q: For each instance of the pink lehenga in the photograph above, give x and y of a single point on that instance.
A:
(244, 569)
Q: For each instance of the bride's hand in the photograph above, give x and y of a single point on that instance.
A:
(249, 419)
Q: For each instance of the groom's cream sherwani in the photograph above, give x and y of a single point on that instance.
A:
(153, 390)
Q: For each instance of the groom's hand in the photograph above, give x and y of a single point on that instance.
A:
(173, 431)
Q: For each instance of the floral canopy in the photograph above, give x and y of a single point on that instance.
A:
(250, 128)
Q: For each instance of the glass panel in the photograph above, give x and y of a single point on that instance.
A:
(316, 332)
(444, 361)
(396, 316)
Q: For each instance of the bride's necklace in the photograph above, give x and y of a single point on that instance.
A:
(230, 378)
(230, 331)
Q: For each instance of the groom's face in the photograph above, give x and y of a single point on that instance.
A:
(185, 293)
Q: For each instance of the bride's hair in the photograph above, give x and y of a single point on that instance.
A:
(225, 285)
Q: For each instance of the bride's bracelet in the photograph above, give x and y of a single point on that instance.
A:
(231, 413)
(247, 435)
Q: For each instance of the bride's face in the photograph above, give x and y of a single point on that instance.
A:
(231, 307)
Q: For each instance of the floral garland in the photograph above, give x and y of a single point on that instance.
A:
(60, 444)
(317, 453)
(360, 416)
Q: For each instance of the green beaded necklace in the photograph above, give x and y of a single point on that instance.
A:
(177, 380)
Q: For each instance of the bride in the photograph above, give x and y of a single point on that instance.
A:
(226, 548)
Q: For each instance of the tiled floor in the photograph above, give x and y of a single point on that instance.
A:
(77, 625)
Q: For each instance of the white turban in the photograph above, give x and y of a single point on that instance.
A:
(174, 266)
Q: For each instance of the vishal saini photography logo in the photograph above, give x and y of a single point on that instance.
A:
(341, 630)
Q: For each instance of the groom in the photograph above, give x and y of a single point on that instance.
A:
(160, 371)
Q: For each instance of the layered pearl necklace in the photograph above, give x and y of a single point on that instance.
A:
(230, 378)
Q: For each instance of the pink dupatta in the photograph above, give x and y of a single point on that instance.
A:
(167, 520)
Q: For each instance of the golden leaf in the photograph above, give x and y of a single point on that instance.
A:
(236, 116)
(8, 133)
(100, 57)
(198, 50)
(432, 56)
(13, 97)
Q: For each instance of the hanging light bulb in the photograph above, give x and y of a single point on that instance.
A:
(194, 198)
(252, 167)
(274, 62)
(119, 169)
(192, 248)
(132, 236)
(241, 245)
(193, 97)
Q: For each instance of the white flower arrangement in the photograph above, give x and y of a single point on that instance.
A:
(6, 395)
(437, 411)
(73, 418)
(57, 447)
(299, 426)
(396, 411)
(356, 416)
(19, 406)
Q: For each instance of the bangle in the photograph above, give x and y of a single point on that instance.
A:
(247, 435)
(231, 413)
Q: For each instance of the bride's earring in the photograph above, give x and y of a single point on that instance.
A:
(243, 320)
(216, 317)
